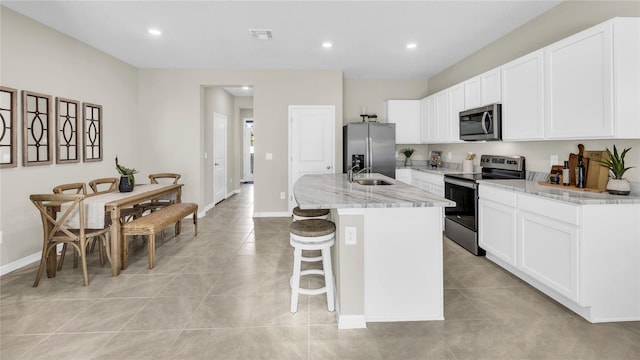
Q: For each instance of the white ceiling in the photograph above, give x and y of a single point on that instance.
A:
(369, 37)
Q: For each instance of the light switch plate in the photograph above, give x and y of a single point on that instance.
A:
(350, 235)
(268, 156)
(553, 159)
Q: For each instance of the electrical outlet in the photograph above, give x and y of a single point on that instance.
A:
(449, 155)
(0, 237)
(205, 155)
(268, 156)
(350, 235)
(553, 159)
(282, 197)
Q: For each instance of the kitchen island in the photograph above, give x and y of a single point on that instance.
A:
(387, 260)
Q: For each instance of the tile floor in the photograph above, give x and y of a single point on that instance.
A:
(224, 295)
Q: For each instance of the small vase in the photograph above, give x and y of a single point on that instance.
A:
(126, 185)
(408, 162)
(618, 187)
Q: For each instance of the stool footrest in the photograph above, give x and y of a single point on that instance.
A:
(311, 259)
(318, 291)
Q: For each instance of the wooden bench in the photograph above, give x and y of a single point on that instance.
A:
(156, 221)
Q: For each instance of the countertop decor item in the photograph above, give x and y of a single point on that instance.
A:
(127, 180)
(617, 184)
(407, 152)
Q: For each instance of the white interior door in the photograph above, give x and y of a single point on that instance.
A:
(219, 157)
(311, 143)
(248, 150)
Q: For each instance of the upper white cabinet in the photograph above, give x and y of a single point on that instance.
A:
(406, 115)
(483, 89)
(428, 120)
(591, 82)
(456, 105)
(523, 98)
(443, 117)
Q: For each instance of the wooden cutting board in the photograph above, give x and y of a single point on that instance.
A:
(597, 176)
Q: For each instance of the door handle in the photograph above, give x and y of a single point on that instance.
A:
(328, 167)
(215, 164)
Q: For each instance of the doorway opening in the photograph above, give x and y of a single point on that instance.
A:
(248, 151)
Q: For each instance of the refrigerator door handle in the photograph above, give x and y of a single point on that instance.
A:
(370, 155)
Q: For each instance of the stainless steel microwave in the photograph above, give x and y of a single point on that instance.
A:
(481, 124)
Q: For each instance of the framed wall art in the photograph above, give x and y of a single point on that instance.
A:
(67, 134)
(8, 129)
(92, 130)
(37, 148)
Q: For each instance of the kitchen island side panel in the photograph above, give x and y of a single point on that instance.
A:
(403, 264)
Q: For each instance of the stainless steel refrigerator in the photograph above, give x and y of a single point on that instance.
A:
(370, 145)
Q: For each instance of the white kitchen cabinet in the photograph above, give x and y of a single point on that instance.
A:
(578, 85)
(523, 98)
(404, 175)
(429, 182)
(569, 251)
(428, 120)
(483, 89)
(497, 219)
(456, 105)
(406, 115)
(443, 117)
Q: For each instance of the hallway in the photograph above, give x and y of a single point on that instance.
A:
(225, 295)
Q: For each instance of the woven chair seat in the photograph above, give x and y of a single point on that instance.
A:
(312, 227)
(310, 212)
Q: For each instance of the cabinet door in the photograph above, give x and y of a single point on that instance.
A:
(523, 98)
(442, 117)
(472, 91)
(490, 88)
(548, 251)
(428, 125)
(456, 105)
(406, 115)
(404, 175)
(497, 230)
(578, 85)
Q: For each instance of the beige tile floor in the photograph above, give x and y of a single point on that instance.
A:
(224, 295)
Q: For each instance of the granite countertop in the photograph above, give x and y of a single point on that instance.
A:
(565, 195)
(326, 191)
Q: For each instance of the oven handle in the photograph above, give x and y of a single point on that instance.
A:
(467, 184)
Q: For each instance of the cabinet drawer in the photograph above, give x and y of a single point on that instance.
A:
(549, 208)
(499, 196)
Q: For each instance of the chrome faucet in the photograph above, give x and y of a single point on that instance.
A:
(351, 174)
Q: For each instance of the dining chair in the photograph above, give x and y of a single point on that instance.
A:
(72, 188)
(96, 184)
(160, 178)
(56, 229)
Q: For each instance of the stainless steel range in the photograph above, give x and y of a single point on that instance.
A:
(461, 221)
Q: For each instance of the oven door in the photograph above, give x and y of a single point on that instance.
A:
(465, 194)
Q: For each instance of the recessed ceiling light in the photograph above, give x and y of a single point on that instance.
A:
(155, 31)
(327, 44)
(245, 88)
(411, 45)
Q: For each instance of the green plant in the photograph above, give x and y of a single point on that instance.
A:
(407, 152)
(615, 162)
(125, 171)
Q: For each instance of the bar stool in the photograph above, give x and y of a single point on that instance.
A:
(312, 234)
(299, 214)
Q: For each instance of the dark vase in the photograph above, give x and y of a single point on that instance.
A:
(126, 185)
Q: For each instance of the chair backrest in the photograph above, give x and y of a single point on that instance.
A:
(95, 184)
(55, 226)
(164, 178)
(74, 188)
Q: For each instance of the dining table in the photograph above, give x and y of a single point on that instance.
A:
(112, 203)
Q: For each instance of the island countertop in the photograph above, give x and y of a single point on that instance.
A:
(327, 191)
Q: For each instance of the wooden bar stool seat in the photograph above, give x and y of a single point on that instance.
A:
(300, 214)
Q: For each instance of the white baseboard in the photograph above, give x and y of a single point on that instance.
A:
(352, 322)
(28, 260)
(271, 214)
(208, 207)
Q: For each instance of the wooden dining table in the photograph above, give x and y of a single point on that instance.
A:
(97, 205)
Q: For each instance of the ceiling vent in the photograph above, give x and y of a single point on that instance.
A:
(261, 34)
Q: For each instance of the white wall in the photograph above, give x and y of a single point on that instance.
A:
(171, 108)
(36, 58)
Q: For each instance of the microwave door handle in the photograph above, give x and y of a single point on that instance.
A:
(484, 122)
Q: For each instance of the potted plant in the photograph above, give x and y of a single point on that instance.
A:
(617, 184)
(407, 156)
(127, 180)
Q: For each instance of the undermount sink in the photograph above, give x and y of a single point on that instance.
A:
(372, 182)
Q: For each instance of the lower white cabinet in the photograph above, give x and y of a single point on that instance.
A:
(548, 251)
(497, 219)
(429, 182)
(404, 175)
(585, 256)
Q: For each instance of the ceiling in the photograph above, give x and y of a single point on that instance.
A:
(369, 37)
